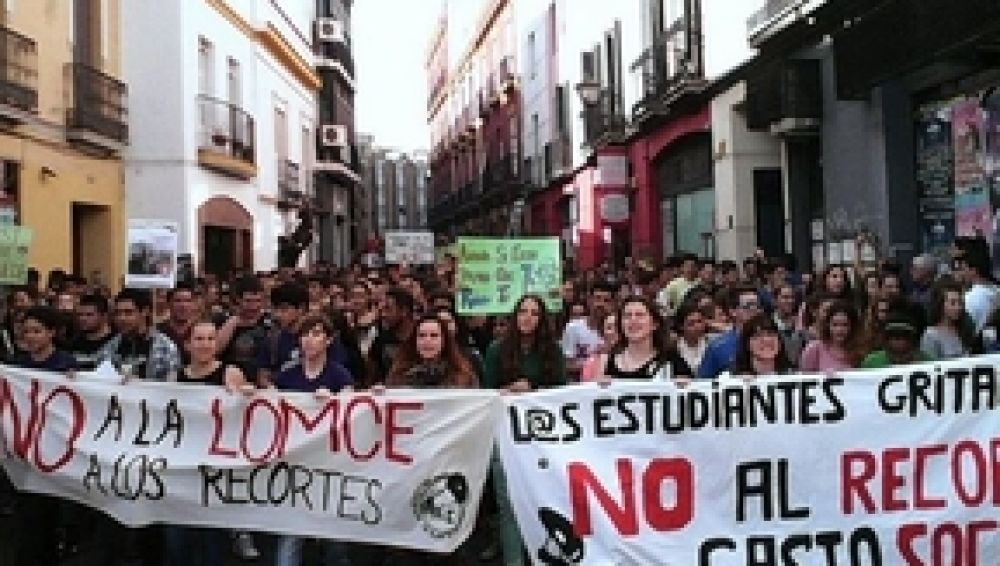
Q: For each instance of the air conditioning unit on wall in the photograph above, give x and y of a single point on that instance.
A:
(334, 135)
(330, 30)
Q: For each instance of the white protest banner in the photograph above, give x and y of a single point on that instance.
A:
(415, 248)
(405, 468)
(898, 466)
(152, 254)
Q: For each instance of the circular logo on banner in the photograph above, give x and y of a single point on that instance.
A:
(439, 504)
(614, 208)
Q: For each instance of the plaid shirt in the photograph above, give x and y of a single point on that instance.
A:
(163, 363)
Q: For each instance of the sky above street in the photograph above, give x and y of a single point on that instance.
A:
(390, 41)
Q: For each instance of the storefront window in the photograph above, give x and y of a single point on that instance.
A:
(689, 223)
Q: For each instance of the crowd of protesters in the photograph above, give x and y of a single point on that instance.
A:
(326, 331)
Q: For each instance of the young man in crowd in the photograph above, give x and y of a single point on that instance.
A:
(743, 304)
(182, 313)
(397, 324)
(139, 350)
(41, 324)
(923, 273)
(673, 294)
(318, 298)
(93, 331)
(289, 302)
(241, 336)
(583, 336)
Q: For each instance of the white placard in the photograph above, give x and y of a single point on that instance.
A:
(414, 248)
(151, 256)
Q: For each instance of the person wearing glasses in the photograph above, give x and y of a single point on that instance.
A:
(743, 304)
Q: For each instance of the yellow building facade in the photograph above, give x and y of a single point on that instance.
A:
(63, 127)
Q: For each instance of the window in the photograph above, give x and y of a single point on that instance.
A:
(205, 56)
(234, 81)
(531, 55)
(280, 134)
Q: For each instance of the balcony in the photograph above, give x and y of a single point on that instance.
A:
(97, 116)
(604, 121)
(226, 138)
(557, 160)
(18, 77)
(669, 71)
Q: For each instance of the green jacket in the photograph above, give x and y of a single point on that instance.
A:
(531, 369)
(879, 359)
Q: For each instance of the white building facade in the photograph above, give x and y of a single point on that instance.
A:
(223, 124)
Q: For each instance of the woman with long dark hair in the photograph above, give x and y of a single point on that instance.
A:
(430, 358)
(460, 336)
(839, 345)
(952, 333)
(526, 358)
(761, 350)
(644, 351)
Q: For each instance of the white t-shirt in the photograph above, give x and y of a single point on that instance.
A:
(579, 340)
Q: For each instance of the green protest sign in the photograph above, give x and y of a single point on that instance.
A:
(14, 242)
(494, 274)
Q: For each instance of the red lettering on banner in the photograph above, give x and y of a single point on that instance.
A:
(349, 438)
(331, 407)
(624, 516)
(978, 497)
(948, 544)
(215, 449)
(76, 428)
(248, 419)
(995, 459)
(892, 479)
(855, 482)
(582, 480)
(921, 499)
(681, 472)
(27, 433)
(393, 431)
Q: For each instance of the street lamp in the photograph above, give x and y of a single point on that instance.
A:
(589, 92)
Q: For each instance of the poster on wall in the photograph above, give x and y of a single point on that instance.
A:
(973, 215)
(935, 167)
(151, 254)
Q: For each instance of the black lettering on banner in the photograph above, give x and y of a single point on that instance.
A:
(807, 400)
(756, 480)
(112, 415)
(210, 478)
(700, 407)
(787, 389)
(140, 436)
(958, 376)
(649, 405)
(156, 468)
(252, 486)
(791, 544)
(519, 435)
(839, 411)
(92, 478)
(869, 537)
(174, 423)
(891, 406)
(568, 413)
(734, 410)
(920, 382)
(372, 504)
(232, 481)
(765, 558)
(829, 541)
(279, 496)
(301, 488)
(761, 402)
(601, 417)
(346, 498)
(327, 479)
(984, 381)
(710, 546)
(632, 426)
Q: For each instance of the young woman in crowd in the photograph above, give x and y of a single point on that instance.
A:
(526, 358)
(460, 336)
(316, 373)
(761, 351)
(873, 335)
(952, 333)
(692, 338)
(645, 351)
(838, 346)
(611, 338)
(430, 358)
(203, 546)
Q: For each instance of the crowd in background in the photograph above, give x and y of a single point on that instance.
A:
(327, 330)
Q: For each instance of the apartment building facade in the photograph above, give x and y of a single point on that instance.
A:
(64, 109)
(338, 184)
(399, 190)
(225, 126)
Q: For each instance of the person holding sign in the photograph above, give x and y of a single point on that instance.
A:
(315, 372)
(202, 546)
(38, 516)
(644, 352)
(527, 358)
(431, 358)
